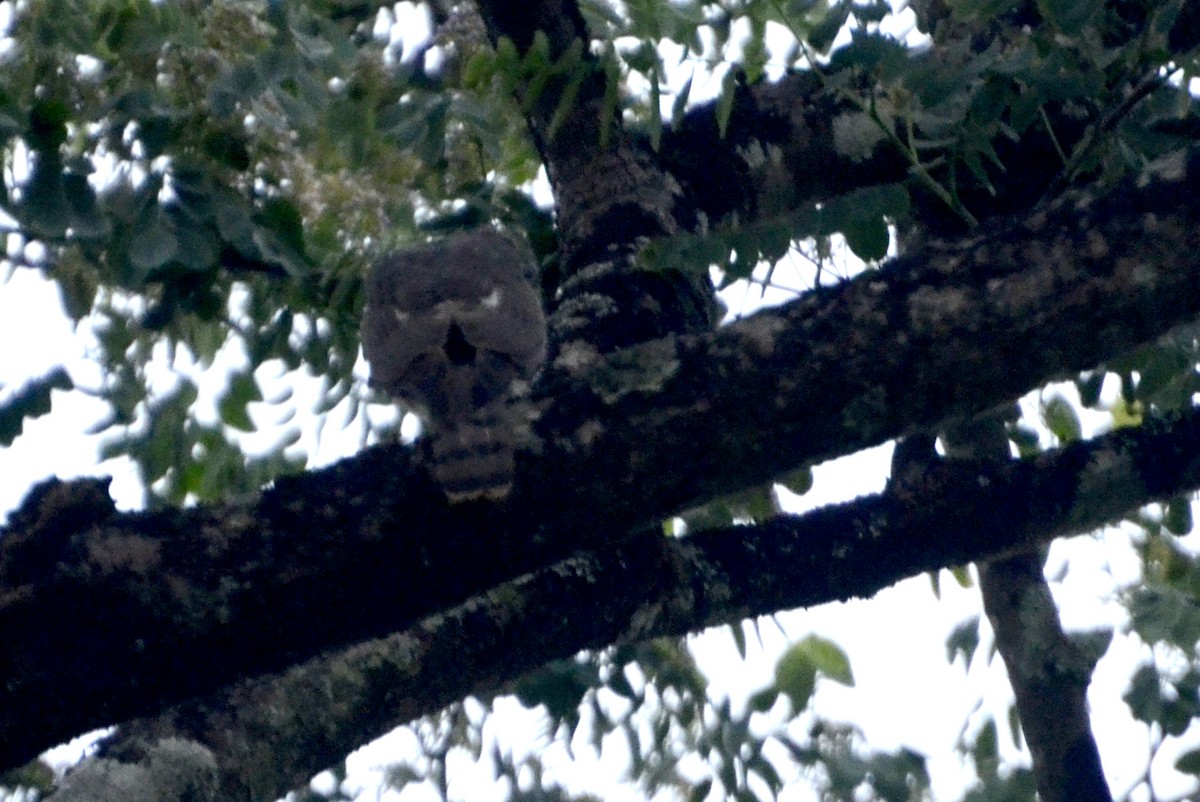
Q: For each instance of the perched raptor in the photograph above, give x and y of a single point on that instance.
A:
(451, 330)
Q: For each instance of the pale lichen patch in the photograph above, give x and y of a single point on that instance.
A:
(576, 357)
(753, 154)
(139, 555)
(642, 624)
(590, 274)
(1097, 245)
(644, 369)
(581, 310)
(856, 136)
(1172, 167)
(1139, 272)
(759, 335)
(1014, 296)
(936, 311)
(588, 432)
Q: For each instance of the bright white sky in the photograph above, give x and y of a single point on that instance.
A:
(905, 693)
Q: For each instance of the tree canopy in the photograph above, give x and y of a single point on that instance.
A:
(207, 182)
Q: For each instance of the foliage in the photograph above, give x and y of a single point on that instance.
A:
(30, 401)
(205, 182)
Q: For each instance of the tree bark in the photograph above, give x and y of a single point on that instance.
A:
(611, 193)
(269, 735)
(151, 608)
(1049, 673)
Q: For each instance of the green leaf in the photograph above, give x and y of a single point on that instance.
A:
(612, 97)
(1089, 387)
(987, 743)
(1061, 419)
(868, 238)
(964, 640)
(796, 677)
(197, 248)
(137, 31)
(559, 686)
(755, 55)
(237, 85)
(739, 639)
(12, 121)
(656, 121)
(1070, 16)
(1093, 644)
(566, 102)
(962, 575)
(77, 284)
(821, 35)
(763, 700)
(84, 215)
(797, 670)
(799, 481)
(235, 225)
(679, 104)
(1165, 614)
(282, 217)
(32, 400)
(1159, 369)
(34, 774)
(1025, 439)
(701, 791)
(44, 204)
(828, 658)
(618, 683)
(713, 515)
(153, 246)
(280, 236)
(1178, 516)
(1189, 762)
(243, 390)
(48, 125)
(725, 101)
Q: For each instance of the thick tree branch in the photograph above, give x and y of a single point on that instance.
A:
(611, 195)
(1049, 673)
(782, 150)
(271, 734)
(109, 616)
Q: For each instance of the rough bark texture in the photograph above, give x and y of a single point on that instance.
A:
(611, 195)
(1050, 677)
(271, 734)
(780, 151)
(108, 616)
(1048, 672)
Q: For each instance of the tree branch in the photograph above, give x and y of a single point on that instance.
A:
(108, 616)
(271, 734)
(1048, 672)
(611, 194)
(781, 150)
(1049, 675)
